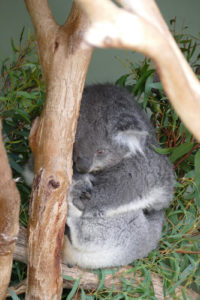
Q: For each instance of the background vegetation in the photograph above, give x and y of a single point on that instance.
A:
(177, 260)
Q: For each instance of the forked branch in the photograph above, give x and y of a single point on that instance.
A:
(140, 26)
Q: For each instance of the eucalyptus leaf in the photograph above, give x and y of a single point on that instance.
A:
(74, 289)
(122, 80)
(181, 150)
(156, 85)
(26, 94)
(161, 150)
(15, 166)
(13, 295)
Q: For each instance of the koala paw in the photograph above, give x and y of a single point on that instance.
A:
(80, 193)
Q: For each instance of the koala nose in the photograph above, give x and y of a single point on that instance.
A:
(83, 164)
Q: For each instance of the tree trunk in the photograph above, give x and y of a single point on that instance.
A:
(64, 59)
(9, 219)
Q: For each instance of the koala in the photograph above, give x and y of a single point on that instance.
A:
(114, 142)
(120, 185)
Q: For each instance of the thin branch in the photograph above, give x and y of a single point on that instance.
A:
(42, 18)
(46, 28)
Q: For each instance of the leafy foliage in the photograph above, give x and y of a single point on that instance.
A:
(178, 257)
(22, 94)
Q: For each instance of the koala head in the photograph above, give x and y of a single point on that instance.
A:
(110, 128)
(96, 151)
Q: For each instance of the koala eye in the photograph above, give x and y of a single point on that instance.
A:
(100, 152)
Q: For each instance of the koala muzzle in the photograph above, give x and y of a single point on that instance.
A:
(83, 164)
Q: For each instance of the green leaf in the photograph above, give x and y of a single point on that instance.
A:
(189, 174)
(148, 88)
(141, 81)
(162, 150)
(69, 278)
(15, 166)
(180, 151)
(83, 295)
(21, 35)
(101, 283)
(29, 65)
(12, 79)
(197, 177)
(122, 80)
(4, 99)
(193, 50)
(156, 85)
(13, 46)
(23, 114)
(26, 95)
(185, 273)
(73, 291)
(197, 167)
(13, 295)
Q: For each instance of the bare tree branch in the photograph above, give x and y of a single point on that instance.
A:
(143, 29)
(64, 60)
(46, 29)
(147, 10)
(9, 219)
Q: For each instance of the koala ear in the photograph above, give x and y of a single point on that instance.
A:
(133, 139)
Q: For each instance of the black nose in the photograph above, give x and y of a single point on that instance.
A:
(83, 164)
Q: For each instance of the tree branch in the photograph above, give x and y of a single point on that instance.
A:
(9, 216)
(143, 29)
(65, 62)
(46, 29)
(147, 10)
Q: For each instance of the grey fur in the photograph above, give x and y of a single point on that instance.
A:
(101, 241)
(120, 184)
(120, 173)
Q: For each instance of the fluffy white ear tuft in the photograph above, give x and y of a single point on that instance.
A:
(133, 139)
